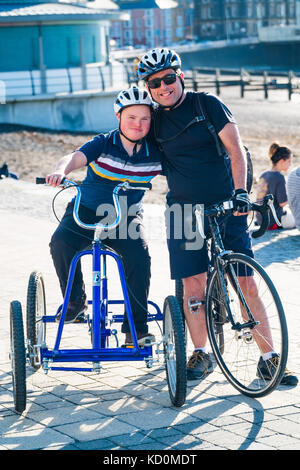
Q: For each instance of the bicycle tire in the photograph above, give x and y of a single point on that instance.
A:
(239, 360)
(18, 356)
(174, 351)
(35, 310)
(219, 317)
(179, 294)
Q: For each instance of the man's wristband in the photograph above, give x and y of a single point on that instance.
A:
(240, 191)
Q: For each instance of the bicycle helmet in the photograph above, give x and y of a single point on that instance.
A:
(131, 97)
(156, 60)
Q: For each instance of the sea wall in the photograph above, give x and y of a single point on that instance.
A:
(75, 112)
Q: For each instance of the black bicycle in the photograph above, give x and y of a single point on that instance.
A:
(241, 326)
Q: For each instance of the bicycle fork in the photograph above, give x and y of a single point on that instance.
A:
(251, 323)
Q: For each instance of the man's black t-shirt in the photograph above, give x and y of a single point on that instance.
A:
(194, 170)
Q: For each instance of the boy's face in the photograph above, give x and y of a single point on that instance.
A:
(136, 121)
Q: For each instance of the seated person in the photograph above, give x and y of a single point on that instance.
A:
(124, 154)
(273, 182)
(293, 189)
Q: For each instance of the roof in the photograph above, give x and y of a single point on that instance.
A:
(54, 11)
(139, 4)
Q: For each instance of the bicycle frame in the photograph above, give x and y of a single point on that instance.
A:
(100, 330)
(218, 255)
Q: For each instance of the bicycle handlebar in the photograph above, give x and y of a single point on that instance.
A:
(126, 185)
(264, 209)
(39, 180)
(215, 210)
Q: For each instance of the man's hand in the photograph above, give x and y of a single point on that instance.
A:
(241, 202)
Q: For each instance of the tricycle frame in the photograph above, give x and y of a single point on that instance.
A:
(99, 324)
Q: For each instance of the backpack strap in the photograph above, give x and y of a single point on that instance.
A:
(200, 104)
(197, 118)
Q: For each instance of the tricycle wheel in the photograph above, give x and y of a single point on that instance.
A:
(174, 350)
(36, 309)
(18, 356)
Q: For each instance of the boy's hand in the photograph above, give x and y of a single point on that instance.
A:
(55, 179)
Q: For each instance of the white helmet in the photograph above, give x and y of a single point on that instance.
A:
(131, 97)
(156, 60)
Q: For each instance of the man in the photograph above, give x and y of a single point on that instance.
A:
(124, 154)
(197, 174)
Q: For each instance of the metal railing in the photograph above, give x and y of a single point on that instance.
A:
(100, 77)
(245, 80)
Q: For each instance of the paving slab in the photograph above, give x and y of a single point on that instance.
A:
(127, 406)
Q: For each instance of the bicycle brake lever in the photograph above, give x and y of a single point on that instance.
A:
(199, 213)
(271, 205)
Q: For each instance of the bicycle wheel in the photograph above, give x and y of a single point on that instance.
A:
(179, 296)
(18, 356)
(36, 309)
(243, 345)
(174, 351)
(179, 293)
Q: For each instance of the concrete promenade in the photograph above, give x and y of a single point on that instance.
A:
(127, 406)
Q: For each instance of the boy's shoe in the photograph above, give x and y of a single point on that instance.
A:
(266, 370)
(143, 339)
(75, 310)
(199, 365)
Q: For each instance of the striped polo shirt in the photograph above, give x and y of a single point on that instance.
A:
(109, 164)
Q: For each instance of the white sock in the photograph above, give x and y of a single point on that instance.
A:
(267, 355)
(202, 349)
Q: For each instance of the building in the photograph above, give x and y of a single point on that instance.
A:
(150, 24)
(183, 22)
(53, 34)
(54, 46)
(231, 19)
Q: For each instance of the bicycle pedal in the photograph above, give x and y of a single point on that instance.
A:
(80, 318)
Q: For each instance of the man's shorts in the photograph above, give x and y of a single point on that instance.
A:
(185, 261)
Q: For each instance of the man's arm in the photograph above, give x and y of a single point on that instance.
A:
(67, 164)
(231, 139)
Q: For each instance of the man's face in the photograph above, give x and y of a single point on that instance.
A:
(166, 95)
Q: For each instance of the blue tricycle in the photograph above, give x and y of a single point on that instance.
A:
(34, 350)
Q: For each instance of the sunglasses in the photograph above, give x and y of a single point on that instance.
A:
(167, 79)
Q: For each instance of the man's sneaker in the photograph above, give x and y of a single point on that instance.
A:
(199, 365)
(143, 339)
(266, 370)
(75, 310)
